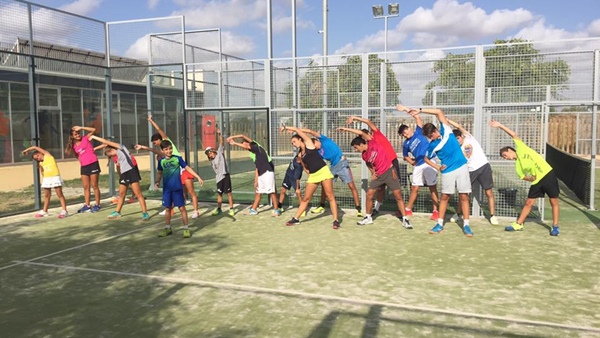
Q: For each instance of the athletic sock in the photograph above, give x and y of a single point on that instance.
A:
(441, 221)
(358, 208)
(377, 205)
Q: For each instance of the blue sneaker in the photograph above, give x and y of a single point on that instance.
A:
(95, 208)
(251, 212)
(438, 228)
(145, 216)
(467, 231)
(554, 231)
(85, 208)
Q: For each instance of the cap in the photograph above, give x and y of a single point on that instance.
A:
(209, 149)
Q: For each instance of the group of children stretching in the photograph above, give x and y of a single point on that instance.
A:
(429, 149)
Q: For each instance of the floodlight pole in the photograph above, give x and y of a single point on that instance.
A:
(378, 14)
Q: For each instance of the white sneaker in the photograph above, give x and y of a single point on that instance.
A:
(366, 220)
(494, 220)
(195, 214)
(63, 214)
(406, 223)
(41, 214)
(162, 213)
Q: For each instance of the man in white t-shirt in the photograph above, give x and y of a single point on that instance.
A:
(480, 170)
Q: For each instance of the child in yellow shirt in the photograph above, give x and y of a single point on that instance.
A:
(51, 179)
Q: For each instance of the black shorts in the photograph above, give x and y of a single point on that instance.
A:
(289, 183)
(483, 176)
(547, 185)
(130, 176)
(90, 169)
(400, 172)
(224, 185)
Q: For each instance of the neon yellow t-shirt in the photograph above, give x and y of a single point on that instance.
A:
(49, 166)
(529, 162)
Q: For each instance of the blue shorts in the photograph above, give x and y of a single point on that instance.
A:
(173, 198)
(342, 171)
(289, 182)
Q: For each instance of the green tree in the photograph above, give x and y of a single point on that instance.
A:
(343, 85)
(514, 70)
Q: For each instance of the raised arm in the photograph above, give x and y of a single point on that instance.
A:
(241, 145)
(246, 138)
(511, 133)
(219, 136)
(430, 111)
(355, 131)
(90, 130)
(310, 131)
(307, 139)
(163, 135)
(105, 141)
(368, 122)
(139, 146)
(417, 118)
(459, 127)
(36, 148)
(193, 172)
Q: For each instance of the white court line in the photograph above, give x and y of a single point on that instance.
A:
(82, 245)
(284, 292)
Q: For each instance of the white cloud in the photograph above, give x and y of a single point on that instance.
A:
(539, 31)
(447, 23)
(51, 26)
(82, 7)
(594, 28)
(224, 14)
(235, 45)
(451, 22)
(284, 24)
(152, 4)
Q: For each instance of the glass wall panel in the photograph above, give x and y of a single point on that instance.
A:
(70, 100)
(128, 122)
(5, 144)
(20, 120)
(48, 97)
(171, 122)
(92, 112)
(141, 108)
(50, 131)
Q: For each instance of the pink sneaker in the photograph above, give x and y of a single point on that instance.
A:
(41, 214)
(435, 215)
(63, 214)
(408, 212)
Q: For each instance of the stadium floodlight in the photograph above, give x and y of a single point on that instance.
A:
(377, 11)
(393, 11)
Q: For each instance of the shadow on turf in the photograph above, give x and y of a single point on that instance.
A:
(374, 319)
(590, 215)
(90, 304)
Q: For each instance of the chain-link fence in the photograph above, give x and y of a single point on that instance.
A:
(59, 74)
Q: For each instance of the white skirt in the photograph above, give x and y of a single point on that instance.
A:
(52, 182)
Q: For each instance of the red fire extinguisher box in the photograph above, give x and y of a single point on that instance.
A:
(209, 126)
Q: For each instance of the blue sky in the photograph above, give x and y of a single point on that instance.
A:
(422, 24)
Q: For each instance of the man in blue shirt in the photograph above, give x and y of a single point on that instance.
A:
(453, 165)
(414, 149)
(340, 168)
